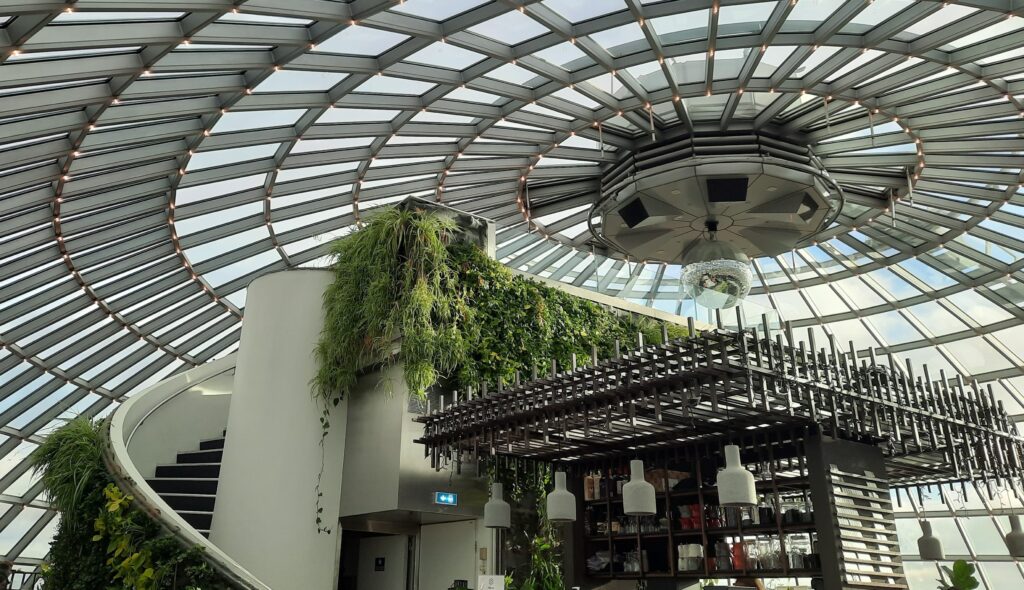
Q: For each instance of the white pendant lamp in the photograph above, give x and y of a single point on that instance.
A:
(561, 502)
(497, 513)
(638, 494)
(929, 546)
(735, 484)
(1015, 538)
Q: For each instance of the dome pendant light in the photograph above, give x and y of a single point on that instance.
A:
(561, 502)
(497, 513)
(929, 546)
(638, 494)
(1015, 538)
(735, 484)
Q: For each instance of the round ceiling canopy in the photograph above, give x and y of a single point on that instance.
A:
(161, 154)
(764, 194)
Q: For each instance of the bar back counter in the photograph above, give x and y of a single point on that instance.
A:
(826, 433)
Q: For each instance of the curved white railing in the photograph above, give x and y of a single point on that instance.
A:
(125, 422)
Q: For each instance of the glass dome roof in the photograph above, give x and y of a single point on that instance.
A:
(160, 154)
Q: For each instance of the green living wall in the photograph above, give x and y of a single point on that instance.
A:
(463, 318)
(102, 541)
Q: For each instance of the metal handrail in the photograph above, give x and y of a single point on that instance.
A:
(20, 580)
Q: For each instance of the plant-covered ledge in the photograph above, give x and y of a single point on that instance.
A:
(103, 541)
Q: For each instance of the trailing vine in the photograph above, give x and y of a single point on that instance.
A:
(463, 318)
(102, 541)
(533, 538)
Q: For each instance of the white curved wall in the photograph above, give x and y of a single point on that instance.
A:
(141, 416)
(264, 516)
(196, 414)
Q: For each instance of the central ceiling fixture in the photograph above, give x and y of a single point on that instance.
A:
(712, 202)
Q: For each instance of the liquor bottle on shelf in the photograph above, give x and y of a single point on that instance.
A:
(620, 480)
(812, 560)
(748, 516)
(712, 516)
(601, 486)
(733, 515)
(765, 512)
(807, 511)
(723, 556)
(588, 487)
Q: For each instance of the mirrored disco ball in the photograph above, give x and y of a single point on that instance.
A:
(717, 284)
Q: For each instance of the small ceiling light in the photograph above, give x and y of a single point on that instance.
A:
(928, 545)
(735, 484)
(497, 512)
(638, 494)
(561, 503)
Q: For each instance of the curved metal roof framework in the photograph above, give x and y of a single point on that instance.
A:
(160, 154)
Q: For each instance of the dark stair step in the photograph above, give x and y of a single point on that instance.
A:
(179, 485)
(189, 470)
(207, 456)
(198, 520)
(190, 502)
(216, 443)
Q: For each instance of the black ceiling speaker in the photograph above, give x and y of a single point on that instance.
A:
(633, 213)
(727, 190)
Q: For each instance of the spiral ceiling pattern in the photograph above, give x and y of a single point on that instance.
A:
(160, 154)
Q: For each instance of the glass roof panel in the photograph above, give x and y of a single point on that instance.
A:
(510, 28)
(680, 28)
(576, 11)
(947, 15)
(744, 19)
(808, 15)
(360, 40)
(437, 10)
(299, 81)
(446, 55)
(876, 13)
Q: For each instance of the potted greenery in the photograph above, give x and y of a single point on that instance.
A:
(961, 577)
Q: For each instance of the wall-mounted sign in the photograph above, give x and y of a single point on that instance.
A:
(491, 583)
(378, 564)
(446, 499)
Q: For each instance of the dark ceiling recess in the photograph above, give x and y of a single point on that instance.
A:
(633, 213)
(727, 190)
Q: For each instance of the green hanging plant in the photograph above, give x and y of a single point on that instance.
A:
(961, 577)
(102, 540)
(393, 279)
(463, 318)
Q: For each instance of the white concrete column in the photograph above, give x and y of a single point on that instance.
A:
(266, 504)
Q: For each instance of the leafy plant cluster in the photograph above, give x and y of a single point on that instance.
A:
(102, 541)
(463, 318)
(534, 540)
(961, 577)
